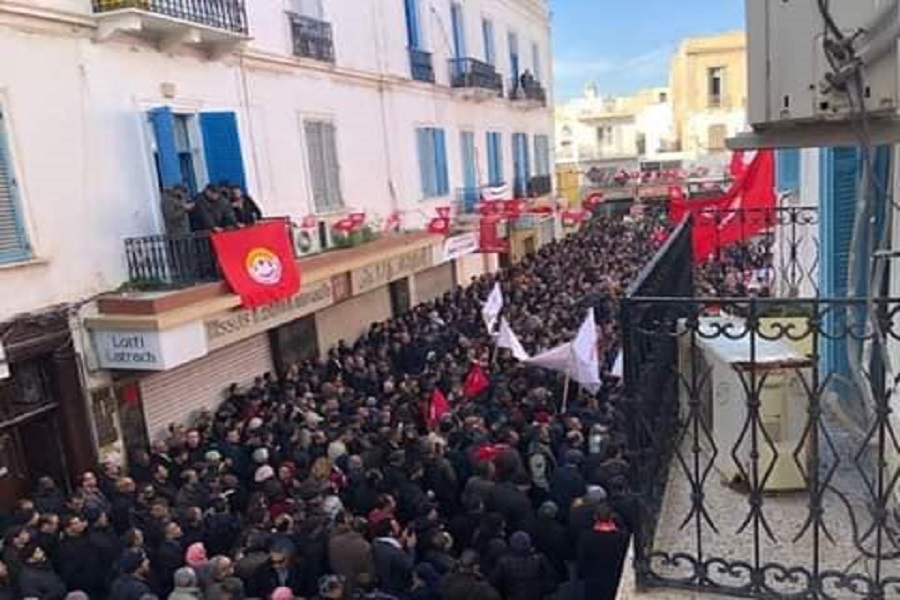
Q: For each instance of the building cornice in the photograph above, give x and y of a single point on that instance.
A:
(21, 14)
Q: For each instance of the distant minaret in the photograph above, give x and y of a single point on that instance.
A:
(590, 90)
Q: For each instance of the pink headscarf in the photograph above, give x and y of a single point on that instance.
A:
(196, 554)
(283, 593)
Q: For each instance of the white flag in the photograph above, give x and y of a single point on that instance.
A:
(492, 307)
(618, 369)
(556, 359)
(586, 369)
(508, 339)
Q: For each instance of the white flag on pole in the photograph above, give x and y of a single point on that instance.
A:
(508, 339)
(492, 307)
(556, 359)
(586, 369)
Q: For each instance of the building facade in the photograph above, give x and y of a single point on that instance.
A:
(317, 108)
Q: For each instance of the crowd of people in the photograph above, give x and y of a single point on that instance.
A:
(328, 481)
(738, 271)
(215, 208)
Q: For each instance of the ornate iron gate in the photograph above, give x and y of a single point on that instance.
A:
(752, 480)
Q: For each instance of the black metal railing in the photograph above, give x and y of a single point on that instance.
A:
(420, 65)
(750, 477)
(540, 185)
(171, 261)
(530, 90)
(229, 15)
(312, 38)
(472, 73)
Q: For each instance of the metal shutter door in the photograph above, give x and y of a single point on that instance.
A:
(176, 395)
(434, 282)
(350, 319)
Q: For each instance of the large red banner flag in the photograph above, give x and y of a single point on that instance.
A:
(258, 263)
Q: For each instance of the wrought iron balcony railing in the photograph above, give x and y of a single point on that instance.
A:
(171, 261)
(420, 65)
(473, 73)
(312, 38)
(540, 185)
(529, 90)
(228, 15)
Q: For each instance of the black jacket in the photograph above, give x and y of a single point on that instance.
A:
(393, 566)
(467, 586)
(169, 558)
(508, 500)
(552, 540)
(41, 582)
(80, 566)
(566, 485)
(128, 587)
(600, 560)
(523, 576)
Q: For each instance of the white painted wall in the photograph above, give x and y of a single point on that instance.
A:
(82, 158)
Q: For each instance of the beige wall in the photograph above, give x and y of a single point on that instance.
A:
(351, 318)
(433, 283)
(689, 87)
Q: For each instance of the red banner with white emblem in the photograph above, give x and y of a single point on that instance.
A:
(258, 263)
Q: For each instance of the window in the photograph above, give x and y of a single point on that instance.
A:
(469, 168)
(459, 30)
(640, 144)
(717, 135)
(536, 61)
(13, 240)
(716, 86)
(432, 147)
(513, 41)
(542, 155)
(311, 34)
(495, 158)
(487, 31)
(521, 164)
(663, 97)
(191, 149)
(324, 168)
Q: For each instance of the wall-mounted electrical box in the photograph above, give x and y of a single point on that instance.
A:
(788, 66)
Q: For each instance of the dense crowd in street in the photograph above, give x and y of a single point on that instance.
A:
(328, 481)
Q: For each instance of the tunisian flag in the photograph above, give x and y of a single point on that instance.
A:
(258, 263)
(476, 382)
(437, 407)
(746, 209)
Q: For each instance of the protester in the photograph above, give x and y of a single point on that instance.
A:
(335, 480)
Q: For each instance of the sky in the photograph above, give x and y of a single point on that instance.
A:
(626, 45)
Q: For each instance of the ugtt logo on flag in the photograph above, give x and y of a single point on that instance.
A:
(258, 263)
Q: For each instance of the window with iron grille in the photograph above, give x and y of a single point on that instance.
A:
(311, 33)
(324, 168)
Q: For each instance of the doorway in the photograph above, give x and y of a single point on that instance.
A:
(295, 342)
(400, 297)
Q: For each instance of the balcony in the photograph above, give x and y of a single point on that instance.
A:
(540, 185)
(215, 26)
(420, 65)
(312, 38)
(474, 79)
(161, 261)
(528, 93)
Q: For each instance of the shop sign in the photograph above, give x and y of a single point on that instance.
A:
(149, 350)
(227, 328)
(653, 191)
(384, 272)
(457, 246)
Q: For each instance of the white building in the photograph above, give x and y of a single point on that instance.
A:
(318, 107)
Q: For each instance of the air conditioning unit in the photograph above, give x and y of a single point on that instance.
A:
(306, 241)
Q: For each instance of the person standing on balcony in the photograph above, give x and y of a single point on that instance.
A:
(176, 209)
(212, 211)
(245, 209)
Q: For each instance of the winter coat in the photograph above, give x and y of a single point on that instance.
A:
(552, 540)
(186, 593)
(600, 559)
(467, 586)
(350, 556)
(508, 500)
(41, 582)
(393, 566)
(128, 587)
(566, 484)
(169, 558)
(222, 531)
(523, 576)
(80, 565)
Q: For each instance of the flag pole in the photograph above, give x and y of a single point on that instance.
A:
(565, 399)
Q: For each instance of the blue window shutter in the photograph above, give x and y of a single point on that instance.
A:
(495, 158)
(787, 168)
(222, 148)
(459, 30)
(426, 161)
(167, 163)
(412, 23)
(541, 155)
(526, 157)
(14, 244)
(467, 142)
(513, 42)
(487, 30)
(441, 168)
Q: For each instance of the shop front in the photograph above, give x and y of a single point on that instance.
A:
(44, 423)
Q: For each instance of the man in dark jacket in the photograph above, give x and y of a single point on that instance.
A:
(552, 539)
(566, 483)
(601, 554)
(466, 582)
(510, 501)
(77, 560)
(284, 570)
(523, 574)
(393, 557)
(169, 556)
(38, 579)
(132, 584)
(349, 553)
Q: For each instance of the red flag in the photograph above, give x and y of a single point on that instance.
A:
(392, 223)
(443, 212)
(476, 382)
(438, 406)
(258, 263)
(345, 225)
(571, 218)
(440, 226)
(737, 168)
(490, 240)
(357, 218)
